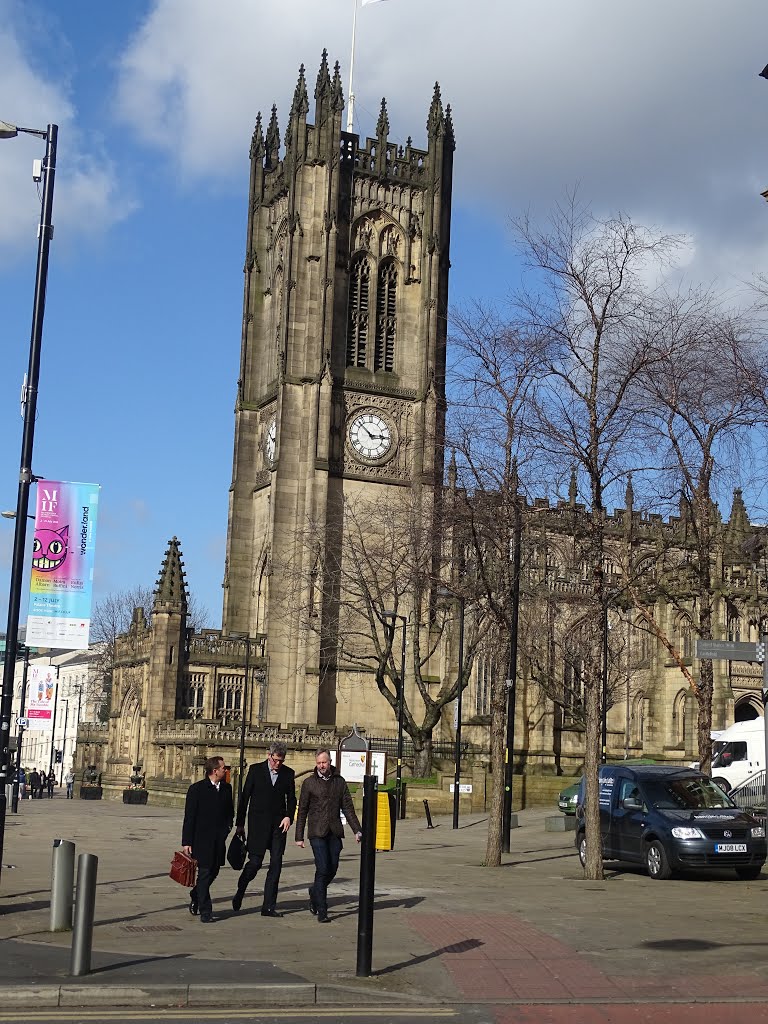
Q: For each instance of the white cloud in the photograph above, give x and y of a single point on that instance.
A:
(87, 194)
(652, 107)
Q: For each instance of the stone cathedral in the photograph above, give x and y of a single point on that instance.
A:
(341, 400)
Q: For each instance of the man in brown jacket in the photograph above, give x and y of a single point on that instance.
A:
(324, 795)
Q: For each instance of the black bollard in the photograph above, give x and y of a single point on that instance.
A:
(85, 906)
(367, 878)
(429, 816)
(62, 885)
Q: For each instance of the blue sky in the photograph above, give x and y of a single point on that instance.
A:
(658, 112)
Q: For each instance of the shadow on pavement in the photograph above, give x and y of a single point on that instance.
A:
(465, 946)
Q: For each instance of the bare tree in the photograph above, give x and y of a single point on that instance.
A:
(384, 569)
(700, 399)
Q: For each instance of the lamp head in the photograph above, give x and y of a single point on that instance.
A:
(8, 131)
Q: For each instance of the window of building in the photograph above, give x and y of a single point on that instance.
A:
(357, 328)
(485, 671)
(373, 292)
(678, 719)
(386, 317)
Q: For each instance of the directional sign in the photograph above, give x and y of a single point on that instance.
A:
(729, 650)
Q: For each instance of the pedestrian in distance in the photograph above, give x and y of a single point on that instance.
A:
(208, 815)
(50, 783)
(34, 784)
(269, 797)
(21, 779)
(69, 782)
(324, 795)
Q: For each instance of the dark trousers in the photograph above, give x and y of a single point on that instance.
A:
(255, 860)
(201, 893)
(326, 850)
(70, 787)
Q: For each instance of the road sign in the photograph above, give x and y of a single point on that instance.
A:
(730, 650)
(23, 723)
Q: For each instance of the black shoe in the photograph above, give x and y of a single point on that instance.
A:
(271, 912)
(193, 907)
(312, 904)
(323, 918)
(208, 918)
(237, 901)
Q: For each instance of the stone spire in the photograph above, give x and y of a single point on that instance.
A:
(337, 91)
(450, 138)
(452, 471)
(738, 529)
(273, 140)
(257, 140)
(171, 588)
(436, 118)
(573, 489)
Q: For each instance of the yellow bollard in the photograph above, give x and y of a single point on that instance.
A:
(383, 822)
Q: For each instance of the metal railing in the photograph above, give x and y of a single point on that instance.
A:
(750, 794)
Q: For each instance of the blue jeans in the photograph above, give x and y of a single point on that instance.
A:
(326, 850)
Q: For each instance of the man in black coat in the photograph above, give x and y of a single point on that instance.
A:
(269, 796)
(208, 814)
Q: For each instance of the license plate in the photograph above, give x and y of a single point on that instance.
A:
(730, 847)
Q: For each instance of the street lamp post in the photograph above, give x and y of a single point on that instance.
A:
(509, 767)
(457, 765)
(243, 711)
(64, 741)
(45, 233)
(400, 690)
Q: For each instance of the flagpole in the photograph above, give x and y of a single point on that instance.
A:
(351, 107)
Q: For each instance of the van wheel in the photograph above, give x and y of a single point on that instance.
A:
(749, 874)
(724, 784)
(656, 862)
(583, 850)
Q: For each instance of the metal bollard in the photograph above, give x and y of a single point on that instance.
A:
(62, 885)
(367, 879)
(429, 816)
(85, 905)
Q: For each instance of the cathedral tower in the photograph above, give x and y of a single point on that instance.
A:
(342, 369)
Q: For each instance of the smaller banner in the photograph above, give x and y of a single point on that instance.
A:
(41, 686)
(62, 565)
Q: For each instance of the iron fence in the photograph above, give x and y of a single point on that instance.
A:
(750, 794)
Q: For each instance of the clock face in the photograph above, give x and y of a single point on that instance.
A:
(370, 436)
(271, 440)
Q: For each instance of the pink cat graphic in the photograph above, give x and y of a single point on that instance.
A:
(49, 549)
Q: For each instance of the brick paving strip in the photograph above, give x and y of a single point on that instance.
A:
(502, 958)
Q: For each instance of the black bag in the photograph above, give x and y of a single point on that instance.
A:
(237, 852)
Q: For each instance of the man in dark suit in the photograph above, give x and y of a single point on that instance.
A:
(269, 796)
(208, 814)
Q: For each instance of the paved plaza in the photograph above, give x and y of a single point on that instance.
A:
(530, 941)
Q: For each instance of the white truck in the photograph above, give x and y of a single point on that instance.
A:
(738, 753)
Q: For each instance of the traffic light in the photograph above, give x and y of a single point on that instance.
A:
(59, 756)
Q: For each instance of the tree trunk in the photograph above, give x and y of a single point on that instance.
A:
(593, 705)
(422, 757)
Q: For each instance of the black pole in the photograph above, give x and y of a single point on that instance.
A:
(765, 720)
(604, 698)
(20, 734)
(64, 741)
(241, 769)
(517, 543)
(400, 710)
(45, 234)
(53, 722)
(367, 879)
(457, 754)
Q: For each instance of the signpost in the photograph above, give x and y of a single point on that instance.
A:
(736, 650)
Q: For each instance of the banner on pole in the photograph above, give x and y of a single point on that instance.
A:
(61, 587)
(41, 686)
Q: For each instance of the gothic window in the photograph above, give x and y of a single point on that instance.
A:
(686, 637)
(195, 695)
(229, 696)
(642, 644)
(678, 719)
(386, 317)
(573, 680)
(735, 629)
(637, 722)
(357, 328)
(485, 671)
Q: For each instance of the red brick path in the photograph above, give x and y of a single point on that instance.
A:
(501, 958)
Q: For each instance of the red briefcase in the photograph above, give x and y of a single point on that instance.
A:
(183, 869)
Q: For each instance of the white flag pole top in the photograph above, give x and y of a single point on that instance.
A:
(351, 107)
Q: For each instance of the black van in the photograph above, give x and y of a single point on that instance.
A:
(672, 819)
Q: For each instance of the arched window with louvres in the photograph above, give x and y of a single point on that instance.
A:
(358, 325)
(386, 317)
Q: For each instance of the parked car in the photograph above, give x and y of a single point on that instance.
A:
(670, 819)
(569, 798)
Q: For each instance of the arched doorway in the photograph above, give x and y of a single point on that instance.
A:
(747, 709)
